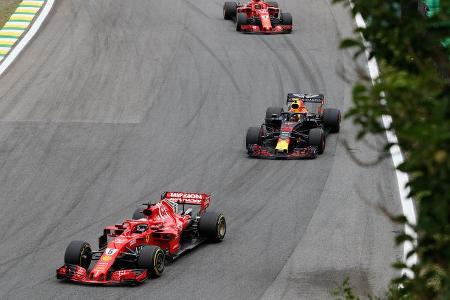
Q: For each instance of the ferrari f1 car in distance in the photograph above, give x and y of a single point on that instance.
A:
(258, 16)
(297, 133)
(137, 249)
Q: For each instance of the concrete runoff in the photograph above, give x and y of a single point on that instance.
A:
(115, 101)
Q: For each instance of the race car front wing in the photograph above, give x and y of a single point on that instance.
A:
(260, 29)
(257, 151)
(120, 277)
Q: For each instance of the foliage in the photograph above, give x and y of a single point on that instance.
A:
(414, 80)
(345, 292)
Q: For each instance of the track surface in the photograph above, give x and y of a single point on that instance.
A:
(116, 101)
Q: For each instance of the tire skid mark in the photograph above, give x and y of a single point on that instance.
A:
(165, 77)
(91, 181)
(48, 233)
(293, 74)
(204, 94)
(297, 243)
(97, 221)
(281, 89)
(196, 8)
(219, 61)
(303, 63)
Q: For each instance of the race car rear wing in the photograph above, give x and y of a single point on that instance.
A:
(305, 98)
(201, 199)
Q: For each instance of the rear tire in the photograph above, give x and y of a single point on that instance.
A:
(332, 119)
(213, 226)
(241, 19)
(273, 3)
(253, 136)
(152, 259)
(138, 214)
(286, 19)
(78, 253)
(229, 10)
(317, 139)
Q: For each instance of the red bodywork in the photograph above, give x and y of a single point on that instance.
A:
(164, 229)
(262, 11)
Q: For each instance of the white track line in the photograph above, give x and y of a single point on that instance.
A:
(397, 159)
(28, 36)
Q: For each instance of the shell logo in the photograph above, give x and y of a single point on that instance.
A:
(106, 258)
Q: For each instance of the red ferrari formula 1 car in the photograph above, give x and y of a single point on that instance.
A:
(258, 16)
(296, 133)
(137, 249)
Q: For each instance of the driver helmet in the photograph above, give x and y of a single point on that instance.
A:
(295, 117)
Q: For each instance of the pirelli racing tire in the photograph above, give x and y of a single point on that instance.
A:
(213, 226)
(273, 3)
(241, 19)
(138, 214)
(317, 139)
(332, 119)
(253, 136)
(286, 19)
(152, 258)
(78, 253)
(270, 111)
(229, 10)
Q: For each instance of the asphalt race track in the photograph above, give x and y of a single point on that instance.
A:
(116, 101)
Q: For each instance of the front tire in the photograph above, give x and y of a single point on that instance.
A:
(152, 259)
(273, 3)
(229, 10)
(253, 136)
(78, 253)
(213, 226)
(317, 139)
(286, 19)
(241, 19)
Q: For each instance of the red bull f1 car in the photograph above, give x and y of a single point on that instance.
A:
(137, 249)
(297, 133)
(258, 17)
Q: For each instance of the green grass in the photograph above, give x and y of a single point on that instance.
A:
(7, 7)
